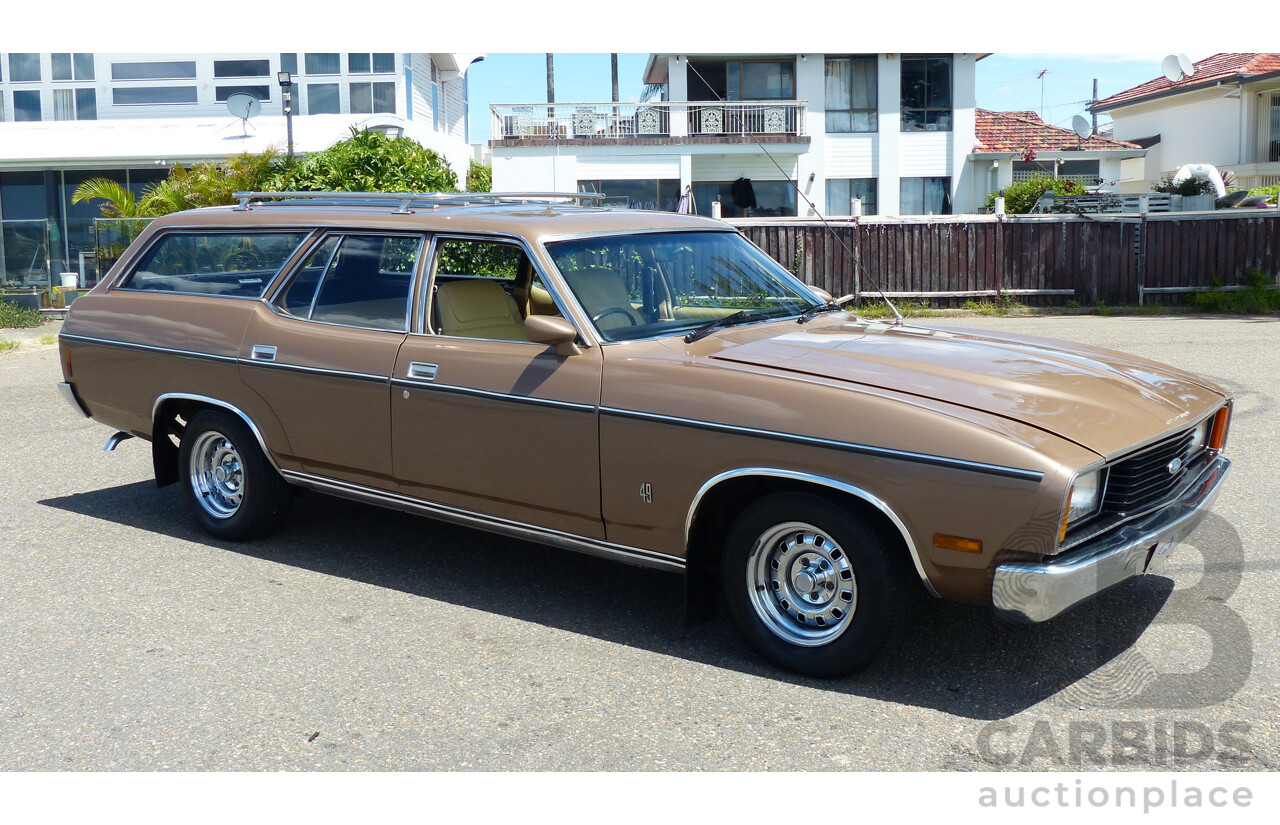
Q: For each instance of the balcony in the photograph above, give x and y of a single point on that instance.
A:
(772, 120)
(1254, 175)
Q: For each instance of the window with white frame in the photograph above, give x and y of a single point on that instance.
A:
(26, 105)
(850, 101)
(842, 191)
(375, 63)
(925, 196)
(75, 104)
(24, 67)
(68, 66)
(370, 98)
(926, 93)
(322, 99)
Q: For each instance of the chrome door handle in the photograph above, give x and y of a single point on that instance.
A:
(421, 371)
(262, 353)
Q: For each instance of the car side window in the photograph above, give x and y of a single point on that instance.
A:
(485, 289)
(355, 280)
(231, 264)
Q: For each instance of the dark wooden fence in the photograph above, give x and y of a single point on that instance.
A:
(1039, 259)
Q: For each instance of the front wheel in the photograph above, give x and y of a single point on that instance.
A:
(231, 488)
(813, 587)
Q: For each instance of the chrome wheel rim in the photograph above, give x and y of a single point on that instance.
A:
(217, 475)
(801, 584)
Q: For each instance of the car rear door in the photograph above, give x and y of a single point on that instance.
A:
(321, 353)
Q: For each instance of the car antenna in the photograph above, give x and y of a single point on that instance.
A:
(856, 262)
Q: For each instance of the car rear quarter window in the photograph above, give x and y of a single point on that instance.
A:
(227, 264)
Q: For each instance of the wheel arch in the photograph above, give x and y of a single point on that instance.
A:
(164, 414)
(720, 498)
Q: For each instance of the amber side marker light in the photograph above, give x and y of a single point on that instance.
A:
(1218, 432)
(1066, 516)
(66, 360)
(943, 542)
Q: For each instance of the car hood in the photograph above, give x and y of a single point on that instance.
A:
(1103, 400)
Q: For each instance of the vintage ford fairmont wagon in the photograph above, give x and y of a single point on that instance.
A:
(643, 386)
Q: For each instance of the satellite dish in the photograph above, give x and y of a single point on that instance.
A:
(1081, 126)
(1184, 63)
(1172, 68)
(244, 106)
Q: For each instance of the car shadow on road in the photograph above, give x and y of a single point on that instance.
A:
(956, 659)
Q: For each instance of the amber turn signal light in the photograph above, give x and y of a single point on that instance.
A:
(1218, 432)
(944, 542)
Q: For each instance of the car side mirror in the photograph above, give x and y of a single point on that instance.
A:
(552, 331)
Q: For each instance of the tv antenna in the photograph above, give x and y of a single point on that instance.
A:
(244, 106)
(1177, 67)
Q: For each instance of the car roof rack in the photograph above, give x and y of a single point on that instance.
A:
(403, 202)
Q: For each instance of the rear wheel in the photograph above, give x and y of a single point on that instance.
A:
(813, 587)
(231, 488)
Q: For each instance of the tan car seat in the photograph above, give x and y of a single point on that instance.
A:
(478, 309)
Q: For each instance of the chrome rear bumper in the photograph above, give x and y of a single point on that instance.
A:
(68, 394)
(1027, 593)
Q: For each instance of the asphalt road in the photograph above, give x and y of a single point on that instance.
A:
(358, 639)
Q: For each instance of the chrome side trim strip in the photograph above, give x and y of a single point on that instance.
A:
(856, 492)
(148, 348)
(846, 446)
(213, 402)
(495, 396)
(358, 376)
(493, 524)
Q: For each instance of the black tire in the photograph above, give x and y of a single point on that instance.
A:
(814, 587)
(231, 488)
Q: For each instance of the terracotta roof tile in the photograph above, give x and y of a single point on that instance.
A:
(1209, 71)
(1020, 131)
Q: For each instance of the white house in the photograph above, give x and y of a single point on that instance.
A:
(68, 117)
(891, 131)
(1226, 112)
(1012, 147)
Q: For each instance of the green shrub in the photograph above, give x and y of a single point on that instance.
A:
(1273, 191)
(13, 316)
(1257, 296)
(1190, 186)
(1021, 197)
(479, 177)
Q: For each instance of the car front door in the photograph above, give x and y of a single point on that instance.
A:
(484, 421)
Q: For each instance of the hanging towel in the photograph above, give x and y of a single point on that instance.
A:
(744, 196)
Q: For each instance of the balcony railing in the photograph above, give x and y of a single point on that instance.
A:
(1254, 175)
(575, 121)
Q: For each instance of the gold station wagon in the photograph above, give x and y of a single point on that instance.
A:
(642, 386)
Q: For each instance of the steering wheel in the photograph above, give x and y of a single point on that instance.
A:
(613, 311)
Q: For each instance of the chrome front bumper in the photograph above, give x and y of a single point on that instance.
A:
(1026, 593)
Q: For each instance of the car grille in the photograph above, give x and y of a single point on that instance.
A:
(1144, 477)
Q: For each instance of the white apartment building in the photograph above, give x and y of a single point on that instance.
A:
(891, 132)
(69, 117)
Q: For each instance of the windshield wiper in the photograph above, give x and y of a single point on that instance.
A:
(742, 316)
(818, 309)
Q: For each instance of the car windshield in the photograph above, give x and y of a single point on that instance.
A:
(645, 285)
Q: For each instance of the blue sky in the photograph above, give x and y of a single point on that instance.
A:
(1006, 81)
